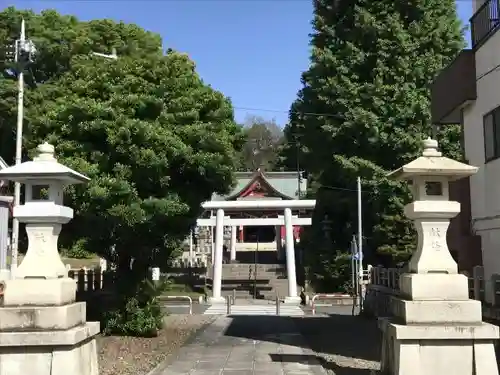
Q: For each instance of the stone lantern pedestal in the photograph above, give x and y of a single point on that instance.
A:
(436, 329)
(43, 331)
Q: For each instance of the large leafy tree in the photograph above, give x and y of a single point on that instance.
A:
(263, 139)
(363, 111)
(154, 139)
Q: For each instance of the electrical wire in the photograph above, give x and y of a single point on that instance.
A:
(289, 112)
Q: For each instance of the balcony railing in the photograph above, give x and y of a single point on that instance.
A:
(485, 21)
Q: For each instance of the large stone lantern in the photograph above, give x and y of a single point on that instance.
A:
(43, 211)
(43, 331)
(435, 329)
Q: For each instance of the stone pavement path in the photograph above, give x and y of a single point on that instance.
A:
(247, 345)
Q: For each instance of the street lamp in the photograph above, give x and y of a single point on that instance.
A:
(24, 52)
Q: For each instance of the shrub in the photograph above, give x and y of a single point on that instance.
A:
(139, 314)
(77, 250)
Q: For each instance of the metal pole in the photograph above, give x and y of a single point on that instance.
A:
(255, 267)
(298, 169)
(353, 264)
(360, 241)
(191, 248)
(360, 227)
(19, 145)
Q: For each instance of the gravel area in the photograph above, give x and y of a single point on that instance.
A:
(138, 356)
(346, 345)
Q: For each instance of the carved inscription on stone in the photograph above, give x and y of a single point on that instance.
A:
(436, 238)
(39, 243)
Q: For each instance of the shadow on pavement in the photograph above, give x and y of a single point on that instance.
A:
(308, 359)
(350, 338)
(346, 335)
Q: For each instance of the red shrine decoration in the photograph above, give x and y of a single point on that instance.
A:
(241, 234)
(256, 189)
(297, 230)
(259, 187)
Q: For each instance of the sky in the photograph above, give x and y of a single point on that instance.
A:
(253, 51)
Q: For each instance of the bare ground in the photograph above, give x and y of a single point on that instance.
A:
(138, 356)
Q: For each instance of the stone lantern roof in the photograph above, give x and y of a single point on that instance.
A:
(432, 163)
(43, 166)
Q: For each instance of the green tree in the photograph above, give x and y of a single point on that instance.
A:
(261, 148)
(154, 139)
(363, 111)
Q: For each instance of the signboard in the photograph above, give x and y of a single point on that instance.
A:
(155, 273)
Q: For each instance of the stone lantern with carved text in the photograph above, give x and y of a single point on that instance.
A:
(431, 209)
(43, 329)
(432, 315)
(43, 211)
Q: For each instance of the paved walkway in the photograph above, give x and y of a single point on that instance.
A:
(247, 345)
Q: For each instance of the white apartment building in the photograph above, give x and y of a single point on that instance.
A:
(468, 92)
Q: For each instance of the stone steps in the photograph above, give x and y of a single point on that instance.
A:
(270, 280)
(250, 309)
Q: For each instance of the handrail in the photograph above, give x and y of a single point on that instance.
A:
(318, 296)
(484, 21)
(184, 297)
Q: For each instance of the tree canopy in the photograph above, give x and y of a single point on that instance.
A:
(155, 140)
(262, 144)
(363, 110)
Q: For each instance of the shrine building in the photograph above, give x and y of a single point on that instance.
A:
(240, 239)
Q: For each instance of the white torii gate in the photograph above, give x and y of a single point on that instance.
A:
(287, 220)
(248, 222)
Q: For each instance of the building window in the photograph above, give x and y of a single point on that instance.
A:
(491, 125)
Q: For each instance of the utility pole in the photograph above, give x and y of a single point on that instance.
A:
(299, 175)
(360, 241)
(23, 56)
(297, 165)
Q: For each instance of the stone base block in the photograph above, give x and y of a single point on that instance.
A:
(50, 352)
(432, 312)
(39, 292)
(458, 349)
(42, 318)
(434, 287)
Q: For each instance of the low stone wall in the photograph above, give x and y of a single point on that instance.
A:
(377, 302)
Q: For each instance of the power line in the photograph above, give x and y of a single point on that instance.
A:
(335, 188)
(289, 112)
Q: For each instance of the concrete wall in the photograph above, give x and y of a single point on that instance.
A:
(485, 185)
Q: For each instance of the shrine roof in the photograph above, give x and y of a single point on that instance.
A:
(282, 184)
